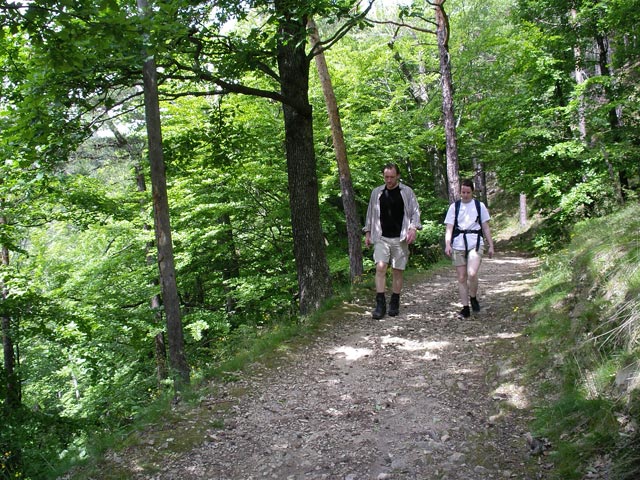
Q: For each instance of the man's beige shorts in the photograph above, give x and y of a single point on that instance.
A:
(393, 251)
(459, 259)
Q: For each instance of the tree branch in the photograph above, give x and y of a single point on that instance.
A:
(229, 87)
(405, 25)
(342, 31)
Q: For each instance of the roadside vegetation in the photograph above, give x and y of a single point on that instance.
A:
(585, 354)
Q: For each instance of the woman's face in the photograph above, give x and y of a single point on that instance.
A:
(466, 194)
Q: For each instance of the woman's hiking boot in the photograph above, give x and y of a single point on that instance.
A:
(394, 305)
(381, 306)
(464, 313)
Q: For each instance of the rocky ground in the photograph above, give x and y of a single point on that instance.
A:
(419, 396)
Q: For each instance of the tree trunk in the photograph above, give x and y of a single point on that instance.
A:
(480, 180)
(12, 452)
(442, 33)
(159, 346)
(12, 385)
(155, 304)
(438, 170)
(420, 94)
(13, 392)
(580, 76)
(618, 178)
(354, 229)
(231, 268)
(314, 281)
(177, 357)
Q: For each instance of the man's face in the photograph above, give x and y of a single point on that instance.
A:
(466, 194)
(391, 178)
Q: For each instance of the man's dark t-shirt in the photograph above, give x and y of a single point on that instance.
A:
(391, 212)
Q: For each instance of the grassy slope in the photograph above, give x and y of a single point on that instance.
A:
(585, 353)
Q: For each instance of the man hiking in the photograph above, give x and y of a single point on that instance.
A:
(393, 219)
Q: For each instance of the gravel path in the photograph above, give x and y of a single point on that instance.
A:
(419, 396)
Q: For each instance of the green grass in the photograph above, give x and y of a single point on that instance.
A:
(586, 330)
(578, 429)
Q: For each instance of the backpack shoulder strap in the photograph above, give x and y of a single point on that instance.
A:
(479, 234)
(455, 224)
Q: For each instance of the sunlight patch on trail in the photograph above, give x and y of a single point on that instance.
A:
(413, 345)
(524, 286)
(462, 371)
(430, 356)
(334, 412)
(512, 394)
(500, 335)
(351, 353)
(513, 260)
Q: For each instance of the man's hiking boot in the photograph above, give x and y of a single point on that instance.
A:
(394, 305)
(475, 306)
(464, 313)
(381, 306)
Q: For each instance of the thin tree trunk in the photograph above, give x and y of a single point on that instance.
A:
(155, 304)
(419, 93)
(160, 348)
(13, 392)
(618, 178)
(442, 33)
(580, 76)
(523, 209)
(231, 269)
(354, 229)
(439, 171)
(177, 358)
(12, 386)
(480, 180)
(314, 281)
(12, 453)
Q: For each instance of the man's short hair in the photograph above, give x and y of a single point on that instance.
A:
(391, 166)
(467, 183)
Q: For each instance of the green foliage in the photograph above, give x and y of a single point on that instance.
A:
(573, 202)
(235, 247)
(81, 273)
(585, 336)
(428, 247)
(30, 439)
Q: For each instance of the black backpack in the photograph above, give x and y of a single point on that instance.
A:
(457, 231)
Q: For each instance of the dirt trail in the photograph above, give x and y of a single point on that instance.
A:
(419, 396)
